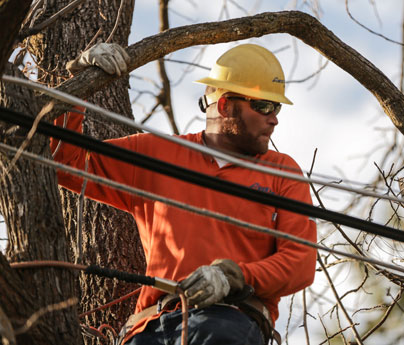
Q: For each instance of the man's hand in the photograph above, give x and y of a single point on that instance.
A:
(211, 284)
(205, 286)
(110, 57)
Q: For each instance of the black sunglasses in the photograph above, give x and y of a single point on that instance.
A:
(261, 106)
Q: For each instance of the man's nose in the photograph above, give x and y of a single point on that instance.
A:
(272, 119)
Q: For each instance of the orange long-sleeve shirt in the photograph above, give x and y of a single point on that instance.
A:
(176, 242)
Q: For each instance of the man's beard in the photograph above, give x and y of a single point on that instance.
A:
(235, 129)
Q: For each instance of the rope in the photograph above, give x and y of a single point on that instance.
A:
(110, 304)
(48, 263)
(184, 324)
(168, 169)
(120, 275)
(64, 97)
(196, 210)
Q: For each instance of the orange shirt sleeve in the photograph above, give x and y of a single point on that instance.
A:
(292, 266)
(97, 164)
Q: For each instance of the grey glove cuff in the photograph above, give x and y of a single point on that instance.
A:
(233, 273)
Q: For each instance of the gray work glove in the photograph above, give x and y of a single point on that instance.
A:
(110, 57)
(208, 285)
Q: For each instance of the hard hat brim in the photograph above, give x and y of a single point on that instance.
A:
(255, 92)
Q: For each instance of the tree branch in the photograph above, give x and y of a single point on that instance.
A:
(165, 92)
(10, 26)
(298, 24)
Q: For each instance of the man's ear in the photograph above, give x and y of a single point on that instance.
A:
(223, 106)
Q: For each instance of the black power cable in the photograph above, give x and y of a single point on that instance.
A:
(162, 284)
(120, 275)
(200, 179)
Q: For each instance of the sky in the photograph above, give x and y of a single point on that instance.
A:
(332, 113)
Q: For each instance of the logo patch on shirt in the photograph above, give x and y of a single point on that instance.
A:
(257, 186)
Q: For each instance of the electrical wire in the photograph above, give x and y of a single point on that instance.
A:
(254, 160)
(193, 209)
(64, 97)
(194, 177)
(276, 173)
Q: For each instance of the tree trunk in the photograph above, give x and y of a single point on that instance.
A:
(30, 204)
(12, 14)
(109, 237)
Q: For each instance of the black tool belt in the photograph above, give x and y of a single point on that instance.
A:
(245, 301)
(256, 310)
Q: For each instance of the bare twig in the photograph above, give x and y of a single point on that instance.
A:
(118, 16)
(385, 316)
(339, 302)
(41, 312)
(188, 63)
(306, 330)
(309, 76)
(32, 12)
(38, 28)
(98, 33)
(329, 337)
(289, 318)
(165, 92)
(7, 334)
(151, 112)
(30, 134)
(368, 29)
(365, 278)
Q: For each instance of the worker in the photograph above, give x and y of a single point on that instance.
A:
(233, 277)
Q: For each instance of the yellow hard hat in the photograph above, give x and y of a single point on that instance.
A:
(250, 70)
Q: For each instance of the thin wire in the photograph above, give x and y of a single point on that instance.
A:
(241, 158)
(64, 97)
(237, 155)
(194, 209)
(141, 127)
(198, 178)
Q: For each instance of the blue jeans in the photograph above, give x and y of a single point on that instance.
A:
(215, 325)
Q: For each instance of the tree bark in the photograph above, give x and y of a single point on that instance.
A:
(31, 208)
(28, 194)
(109, 237)
(30, 204)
